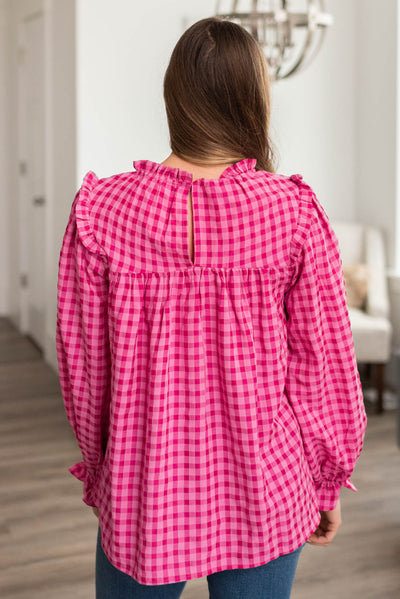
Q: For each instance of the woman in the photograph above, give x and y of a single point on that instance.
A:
(205, 352)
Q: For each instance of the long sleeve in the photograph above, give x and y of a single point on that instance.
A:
(82, 337)
(322, 378)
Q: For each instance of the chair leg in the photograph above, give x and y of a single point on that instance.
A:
(368, 370)
(380, 383)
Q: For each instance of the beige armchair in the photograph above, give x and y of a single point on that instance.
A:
(371, 327)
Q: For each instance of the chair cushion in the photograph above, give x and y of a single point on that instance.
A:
(356, 283)
(371, 335)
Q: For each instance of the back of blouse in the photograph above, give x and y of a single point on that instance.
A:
(217, 404)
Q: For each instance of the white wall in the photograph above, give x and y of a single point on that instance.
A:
(123, 50)
(313, 117)
(376, 83)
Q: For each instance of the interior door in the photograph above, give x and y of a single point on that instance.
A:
(33, 203)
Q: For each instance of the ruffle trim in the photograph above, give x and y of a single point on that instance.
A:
(296, 178)
(82, 212)
(309, 208)
(349, 485)
(303, 219)
(242, 166)
(306, 192)
(328, 492)
(80, 472)
(334, 484)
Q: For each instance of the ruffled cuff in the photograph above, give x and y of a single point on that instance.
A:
(80, 472)
(328, 492)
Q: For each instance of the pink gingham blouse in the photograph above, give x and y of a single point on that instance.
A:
(217, 404)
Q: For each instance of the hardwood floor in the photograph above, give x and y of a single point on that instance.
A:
(47, 534)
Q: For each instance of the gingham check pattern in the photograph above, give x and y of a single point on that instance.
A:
(218, 404)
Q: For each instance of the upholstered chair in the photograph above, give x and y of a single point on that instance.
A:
(362, 251)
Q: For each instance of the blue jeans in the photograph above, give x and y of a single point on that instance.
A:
(272, 580)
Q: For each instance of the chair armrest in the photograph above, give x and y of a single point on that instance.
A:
(377, 302)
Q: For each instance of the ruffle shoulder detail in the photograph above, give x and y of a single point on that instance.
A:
(311, 218)
(310, 212)
(82, 214)
(307, 195)
(304, 195)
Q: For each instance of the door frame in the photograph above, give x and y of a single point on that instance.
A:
(24, 10)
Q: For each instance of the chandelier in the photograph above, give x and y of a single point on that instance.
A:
(291, 37)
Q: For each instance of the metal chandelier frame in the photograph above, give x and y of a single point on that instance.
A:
(274, 28)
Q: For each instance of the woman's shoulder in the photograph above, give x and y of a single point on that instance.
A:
(291, 183)
(93, 202)
(272, 179)
(298, 198)
(98, 193)
(291, 191)
(99, 185)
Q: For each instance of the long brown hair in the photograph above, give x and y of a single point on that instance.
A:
(217, 96)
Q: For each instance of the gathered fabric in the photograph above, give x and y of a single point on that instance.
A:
(217, 402)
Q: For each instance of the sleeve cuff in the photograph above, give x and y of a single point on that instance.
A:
(328, 492)
(80, 472)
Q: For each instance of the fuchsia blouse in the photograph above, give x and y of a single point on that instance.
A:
(217, 404)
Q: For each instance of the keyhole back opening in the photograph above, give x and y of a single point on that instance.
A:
(190, 228)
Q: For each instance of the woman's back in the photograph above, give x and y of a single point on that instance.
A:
(221, 406)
